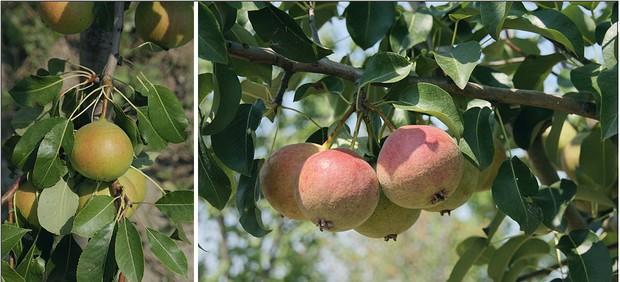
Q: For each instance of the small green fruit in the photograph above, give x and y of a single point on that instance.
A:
(466, 188)
(167, 24)
(388, 220)
(67, 17)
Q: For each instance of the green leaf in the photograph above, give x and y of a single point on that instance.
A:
(252, 91)
(368, 22)
(492, 16)
(211, 43)
(475, 241)
(247, 190)
(429, 99)
(410, 29)
(177, 205)
(29, 142)
(460, 61)
(213, 183)
(255, 71)
(584, 23)
(48, 168)
(511, 189)
(588, 257)
(129, 126)
(9, 274)
(92, 262)
(56, 208)
(148, 132)
(327, 85)
(31, 267)
(386, 68)
(36, 90)
(598, 164)
(476, 249)
(166, 114)
(225, 14)
(479, 135)
(608, 83)
(610, 47)
(532, 72)
(63, 263)
(226, 100)
(11, 236)
(128, 251)
(98, 212)
(584, 78)
(25, 117)
(553, 202)
(284, 36)
(205, 86)
(167, 251)
(499, 262)
(551, 24)
(528, 125)
(552, 142)
(533, 248)
(234, 146)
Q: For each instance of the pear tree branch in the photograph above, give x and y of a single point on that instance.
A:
(472, 90)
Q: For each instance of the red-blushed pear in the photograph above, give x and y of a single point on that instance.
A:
(67, 17)
(388, 220)
(26, 202)
(167, 24)
(419, 166)
(467, 186)
(102, 151)
(279, 177)
(338, 190)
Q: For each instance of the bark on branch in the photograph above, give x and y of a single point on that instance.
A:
(472, 90)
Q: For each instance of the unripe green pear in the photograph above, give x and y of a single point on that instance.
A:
(467, 186)
(67, 17)
(388, 220)
(419, 166)
(279, 177)
(487, 176)
(167, 24)
(338, 190)
(26, 201)
(102, 151)
(569, 158)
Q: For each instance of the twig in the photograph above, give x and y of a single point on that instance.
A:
(471, 90)
(7, 197)
(283, 87)
(385, 119)
(113, 57)
(330, 139)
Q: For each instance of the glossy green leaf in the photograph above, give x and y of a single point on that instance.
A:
(583, 21)
(459, 62)
(610, 47)
(608, 83)
(511, 189)
(214, 185)
(598, 164)
(225, 14)
(205, 86)
(532, 72)
(57, 207)
(588, 257)
(235, 145)
(211, 43)
(177, 205)
(93, 260)
(410, 29)
(31, 267)
(553, 202)
(226, 100)
(29, 142)
(167, 251)
(528, 125)
(319, 136)
(63, 262)
(48, 168)
(584, 78)
(250, 218)
(473, 252)
(368, 22)
(98, 212)
(128, 251)
(385, 68)
(128, 125)
(25, 117)
(284, 36)
(9, 274)
(327, 85)
(167, 114)
(36, 90)
(551, 24)
(252, 91)
(479, 135)
(492, 16)
(475, 242)
(498, 265)
(147, 130)
(251, 70)
(429, 99)
(11, 236)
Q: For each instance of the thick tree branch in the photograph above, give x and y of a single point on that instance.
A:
(472, 90)
(113, 56)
